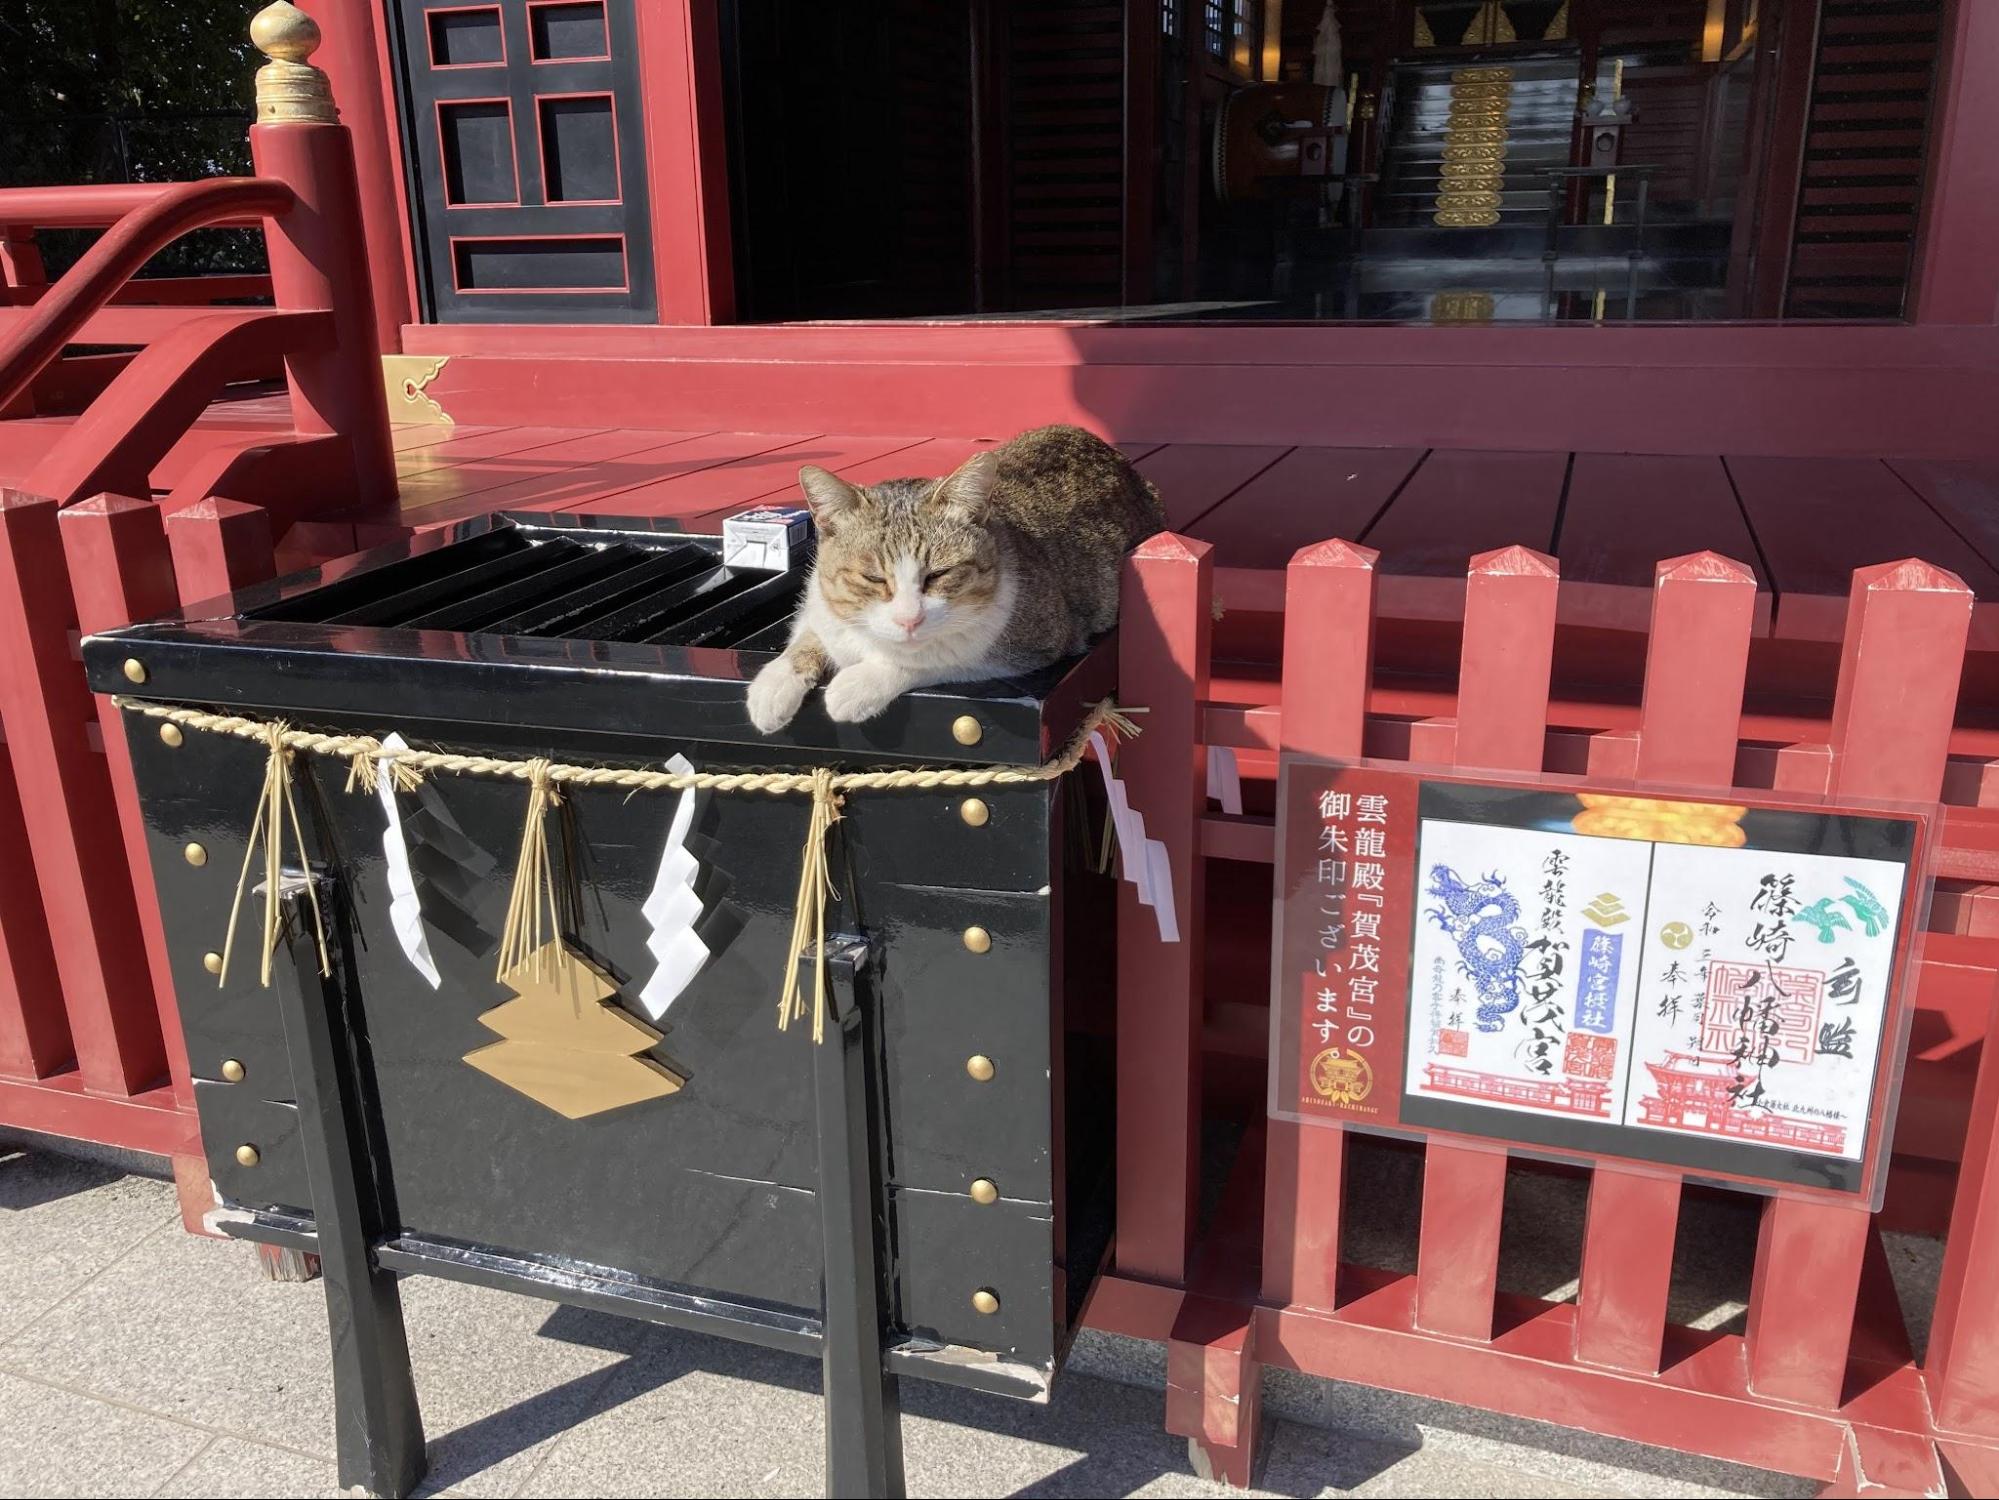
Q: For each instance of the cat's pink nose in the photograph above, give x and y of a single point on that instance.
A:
(908, 623)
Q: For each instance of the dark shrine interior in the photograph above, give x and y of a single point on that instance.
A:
(1315, 160)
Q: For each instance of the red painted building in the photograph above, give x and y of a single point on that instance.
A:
(959, 219)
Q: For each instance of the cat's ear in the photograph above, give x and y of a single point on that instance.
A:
(830, 496)
(967, 488)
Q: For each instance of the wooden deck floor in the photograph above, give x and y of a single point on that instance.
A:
(1803, 524)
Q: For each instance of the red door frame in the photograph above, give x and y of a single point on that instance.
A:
(354, 55)
(680, 61)
(1956, 273)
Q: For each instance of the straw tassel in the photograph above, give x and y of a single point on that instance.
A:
(808, 919)
(276, 808)
(533, 919)
(366, 766)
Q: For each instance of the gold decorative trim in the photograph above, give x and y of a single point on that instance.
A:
(406, 379)
(1461, 307)
(1475, 140)
(1558, 29)
(1424, 36)
(566, 1044)
(290, 90)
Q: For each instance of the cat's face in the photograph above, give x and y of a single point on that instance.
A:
(910, 561)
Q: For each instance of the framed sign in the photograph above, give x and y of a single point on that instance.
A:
(1719, 987)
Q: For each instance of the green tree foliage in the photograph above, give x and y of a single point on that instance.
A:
(69, 68)
(129, 90)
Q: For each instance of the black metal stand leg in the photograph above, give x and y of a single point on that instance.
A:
(378, 1430)
(863, 1411)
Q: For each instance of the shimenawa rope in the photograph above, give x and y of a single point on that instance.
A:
(533, 919)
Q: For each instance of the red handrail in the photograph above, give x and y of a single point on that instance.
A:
(159, 218)
(88, 206)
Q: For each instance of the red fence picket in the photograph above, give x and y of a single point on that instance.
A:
(1822, 1383)
(1703, 609)
(69, 809)
(1330, 588)
(219, 546)
(120, 572)
(34, 1028)
(1159, 1010)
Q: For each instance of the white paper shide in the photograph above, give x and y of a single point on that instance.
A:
(1147, 864)
(673, 908)
(405, 907)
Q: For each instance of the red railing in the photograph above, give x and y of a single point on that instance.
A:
(142, 222)
(71, 382)
(90, 1045)
(1822, 1382)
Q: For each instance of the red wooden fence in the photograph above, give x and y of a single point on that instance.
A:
(1821, 1383)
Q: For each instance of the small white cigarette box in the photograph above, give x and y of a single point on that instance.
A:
(767, 538)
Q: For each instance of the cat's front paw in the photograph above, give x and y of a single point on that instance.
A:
(775, 694)
(862, 691)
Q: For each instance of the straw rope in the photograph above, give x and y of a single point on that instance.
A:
(356, 747)
(276, 807)
(533, 920)
(533, 913)
(814, 884)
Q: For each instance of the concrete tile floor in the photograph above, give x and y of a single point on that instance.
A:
(137, 1360)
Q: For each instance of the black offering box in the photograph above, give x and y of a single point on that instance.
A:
(927, 1193)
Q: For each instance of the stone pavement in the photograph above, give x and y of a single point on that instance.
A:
(138, 1360)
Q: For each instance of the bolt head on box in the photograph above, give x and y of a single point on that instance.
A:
(195, 855)
(975, 812)
(171, 737)
(984, 1190)
(966, 730)
(978, 940)
(984, 1302)
(135, 670)
(980, 1067)
(212, 962)
(248, 1155)
(232, 1070)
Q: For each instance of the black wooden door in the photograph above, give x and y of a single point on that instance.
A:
(523, 125)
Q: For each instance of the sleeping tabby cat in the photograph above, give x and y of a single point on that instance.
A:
(1004, 566)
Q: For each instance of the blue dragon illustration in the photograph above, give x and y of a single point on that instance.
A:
(1480, 917)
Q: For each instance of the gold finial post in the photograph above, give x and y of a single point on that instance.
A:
(290, 90)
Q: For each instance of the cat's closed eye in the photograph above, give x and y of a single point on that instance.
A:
(937, 575)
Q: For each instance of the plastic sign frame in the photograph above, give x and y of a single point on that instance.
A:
(1714, 985)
